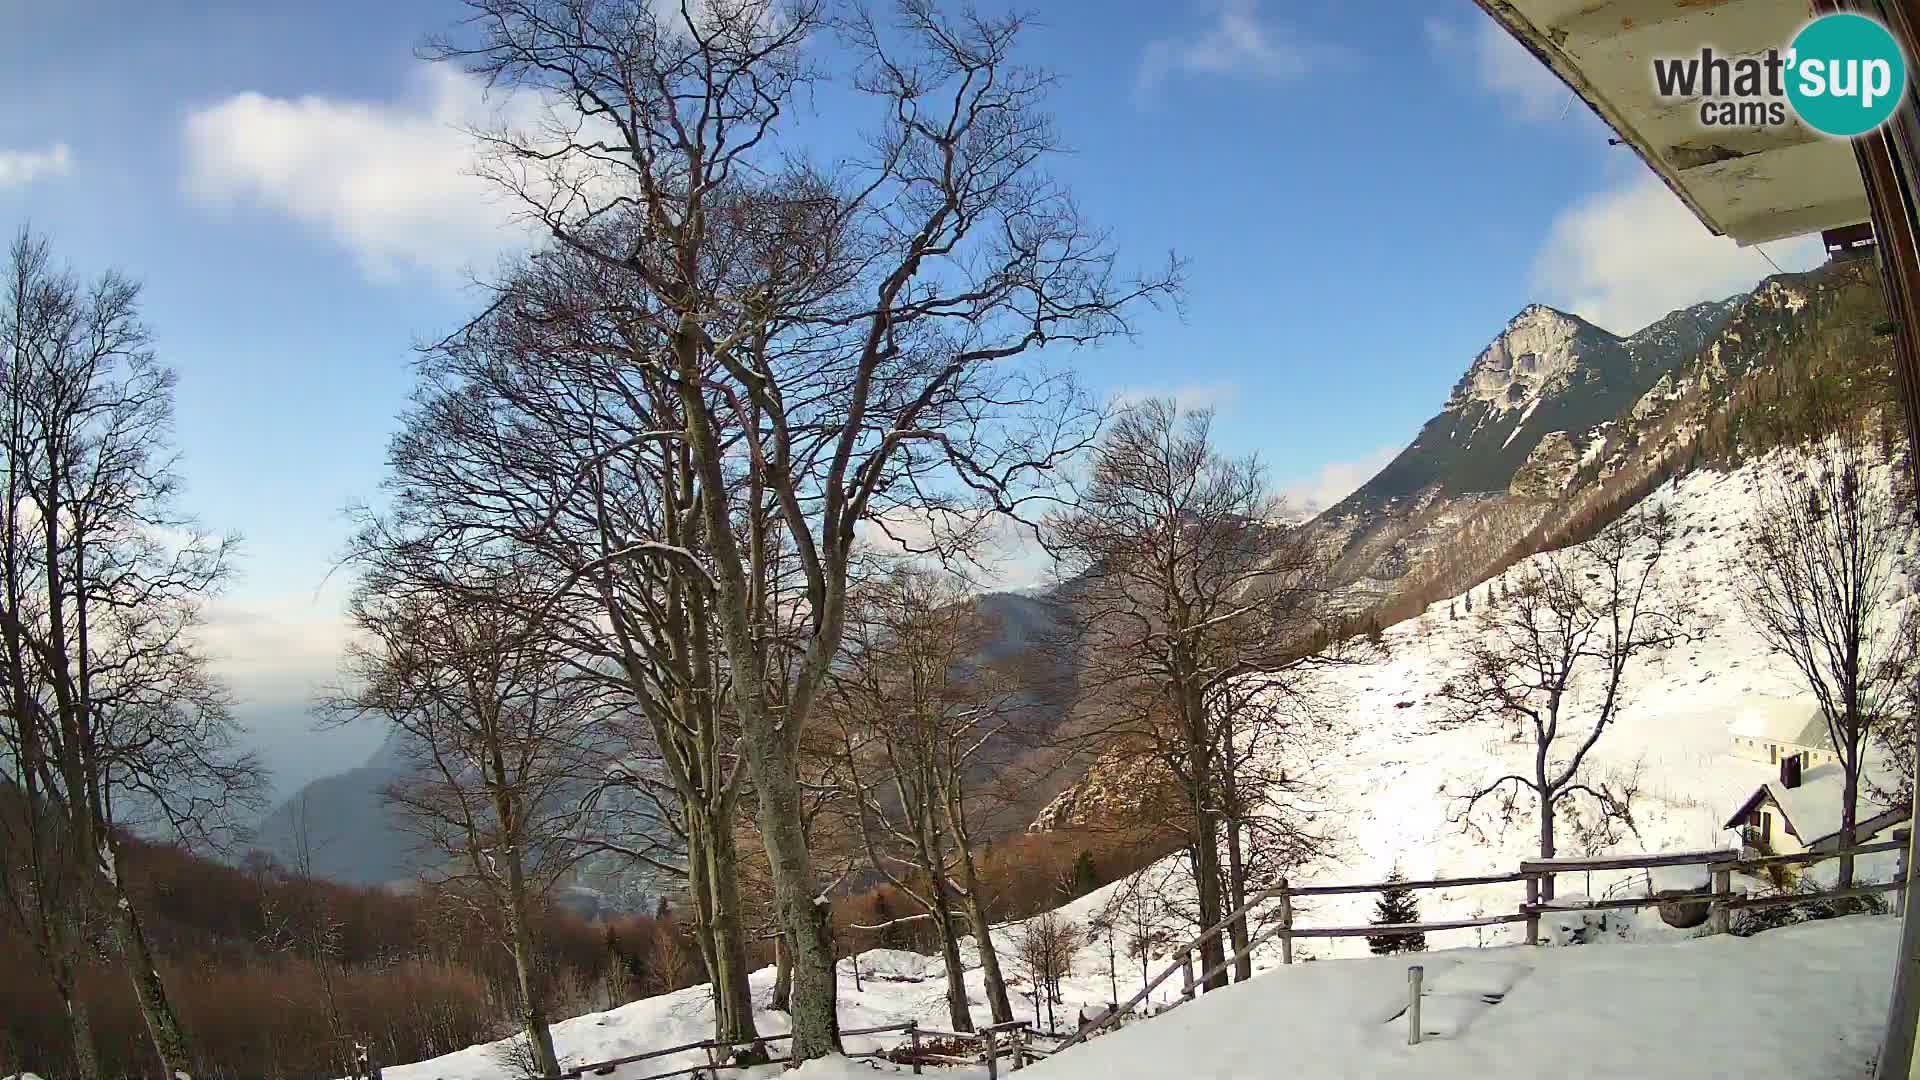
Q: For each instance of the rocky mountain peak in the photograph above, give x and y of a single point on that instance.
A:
(1536, 354)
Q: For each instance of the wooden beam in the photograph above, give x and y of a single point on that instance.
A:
(1760, 862)
(1624, 902)
(1404, 929)
(1383, 886)
(1624, 862)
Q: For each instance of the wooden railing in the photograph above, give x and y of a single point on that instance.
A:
(1721, 901)
(1013, 1040)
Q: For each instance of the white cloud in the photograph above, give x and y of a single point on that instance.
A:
(1187, 396)
(1237, 43)
(278, 648)
(1500, 65)
(1336, 480)
(389, 181)
(1625, 257)
(19, 168)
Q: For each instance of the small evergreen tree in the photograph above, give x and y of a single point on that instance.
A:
(1084, 879)
(890, 934)
(1396, 905)
(1450, 614)
(1469, 601)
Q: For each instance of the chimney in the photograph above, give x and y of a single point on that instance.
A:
(1790, 771)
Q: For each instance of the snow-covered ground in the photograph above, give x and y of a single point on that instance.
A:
(1803, 1001)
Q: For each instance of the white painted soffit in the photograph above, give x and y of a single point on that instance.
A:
(1752, 184)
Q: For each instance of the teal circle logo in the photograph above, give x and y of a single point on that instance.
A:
(1845, 75)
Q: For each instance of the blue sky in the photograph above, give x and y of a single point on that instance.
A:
(1366, 191)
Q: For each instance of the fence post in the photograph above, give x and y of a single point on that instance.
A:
(1533, 916)
(1414, 974)
(1719, 917)
(1286, 923)
(993, 1055)
(1186, 974)
(1019, 1048)
(913, 1036)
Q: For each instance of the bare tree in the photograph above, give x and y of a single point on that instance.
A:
(302, 920)
(1551, 658)
(848, 338)
(1817, 578)
(503, 739)
(923, 712)
(112, 721)
(535, 433)
(1191, 605)
(1047, 948)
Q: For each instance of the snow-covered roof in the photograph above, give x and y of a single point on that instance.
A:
(1812, 810)
(1794, 721)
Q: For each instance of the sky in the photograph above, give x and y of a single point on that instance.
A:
(1365, 191)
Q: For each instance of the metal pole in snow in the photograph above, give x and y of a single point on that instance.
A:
(1414, 974)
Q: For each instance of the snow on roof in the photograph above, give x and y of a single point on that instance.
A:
(1812, 810)
(1795, 721)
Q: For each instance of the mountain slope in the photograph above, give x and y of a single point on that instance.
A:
(1557, 420)
(351, 835)
(1547, 371)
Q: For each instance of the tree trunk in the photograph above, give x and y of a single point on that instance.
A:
(1206, 875)
(533, 1009)
(802, 913)
(918, 801)
(942, 905)
(700, 896)
(996, 984)
(1546, 845)
(957, 1011)
(733, 997)
(1236, 860)
(1203, 836)
(1237, 898)
(86, 1059)
(163, 1025)
(770, 736)
(782, 975)
(1849, 818)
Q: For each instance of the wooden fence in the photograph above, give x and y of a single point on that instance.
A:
(1720, 899)
(1014, 1040)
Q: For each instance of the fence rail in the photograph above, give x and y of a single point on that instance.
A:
(1013, 1039)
